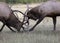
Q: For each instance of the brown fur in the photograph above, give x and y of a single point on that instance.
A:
(8, 18)
(46, 9)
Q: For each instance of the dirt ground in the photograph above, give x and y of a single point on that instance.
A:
(43, 33)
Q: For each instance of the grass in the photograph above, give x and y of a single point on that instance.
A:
(23, 1)
(39, 35)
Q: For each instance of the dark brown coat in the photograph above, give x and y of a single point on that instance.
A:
(46, 9)
(8, 18)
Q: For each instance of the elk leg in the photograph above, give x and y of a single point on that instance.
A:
(54, 22)
(10, 28)
(41, 18)
(4, 23)
(2, 27)
(35, 25)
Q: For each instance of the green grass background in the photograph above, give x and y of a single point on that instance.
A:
(23, 1)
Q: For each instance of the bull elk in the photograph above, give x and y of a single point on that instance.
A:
(46, 9)
(8, 18)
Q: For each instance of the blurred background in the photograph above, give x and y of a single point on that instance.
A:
(23, 1)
